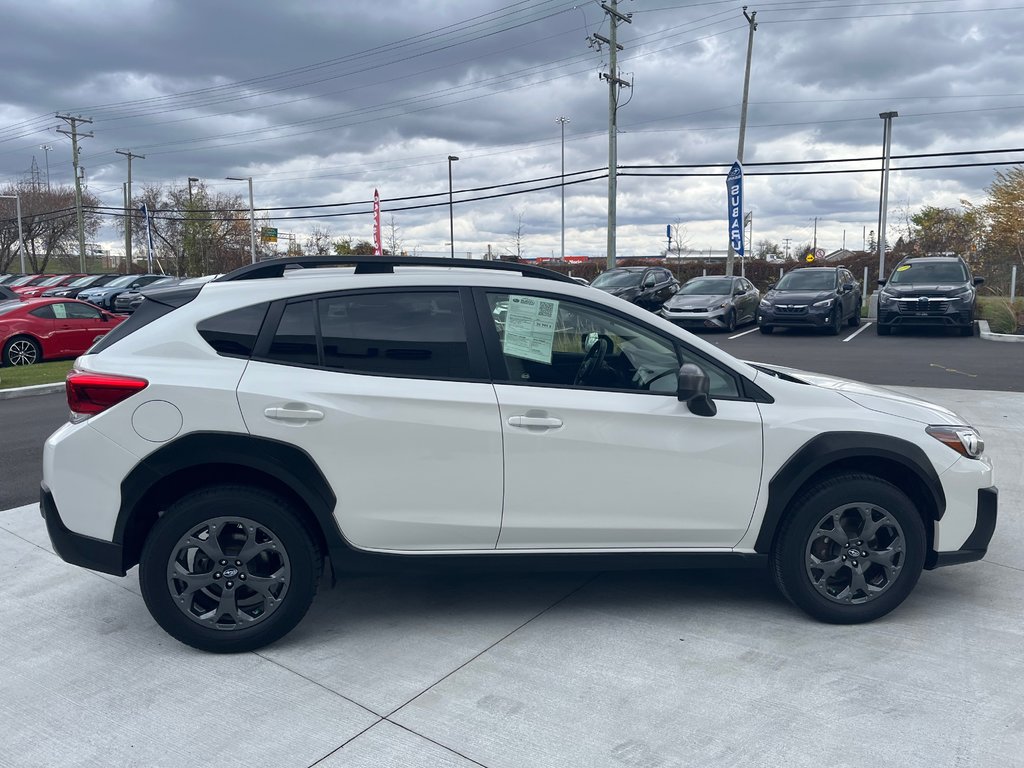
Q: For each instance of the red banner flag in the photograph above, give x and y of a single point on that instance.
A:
(378, 249)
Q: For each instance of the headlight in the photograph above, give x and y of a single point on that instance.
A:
(825, 303)
(964, 440)
(723, 305)
(886, 298)
(964, 295)
(765, 304)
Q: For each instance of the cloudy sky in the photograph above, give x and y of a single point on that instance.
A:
(321, 101)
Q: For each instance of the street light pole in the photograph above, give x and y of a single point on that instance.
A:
(21, 238)
(451, 209)
(883, 202)
(252, 216)
(563, 120)
(190, 235)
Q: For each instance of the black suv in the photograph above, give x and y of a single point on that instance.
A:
(928, 290)
(647, 287)
(811, 297)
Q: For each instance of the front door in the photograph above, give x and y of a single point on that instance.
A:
(599, 453)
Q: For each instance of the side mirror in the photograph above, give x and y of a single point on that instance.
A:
(104, 317)
(882, 282)
(692, 386)
(738, 292)
(979, 280)
(770, 286)
(847, 287)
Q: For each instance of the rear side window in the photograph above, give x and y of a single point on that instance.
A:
(396, 334)
(233, 334)
(295, 339)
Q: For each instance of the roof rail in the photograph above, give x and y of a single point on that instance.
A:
(375, 265)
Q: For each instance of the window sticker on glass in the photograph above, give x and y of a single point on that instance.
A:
(60, 311)
(530, 328)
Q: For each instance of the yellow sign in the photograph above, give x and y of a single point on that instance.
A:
(809, 258)
(268, 234)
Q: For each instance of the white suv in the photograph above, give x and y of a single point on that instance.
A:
(229, 438)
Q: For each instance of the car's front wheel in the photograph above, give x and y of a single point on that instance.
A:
(229, 568)
(766, 329)
(851, 549)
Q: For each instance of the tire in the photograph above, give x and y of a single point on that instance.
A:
(837, 510)
(883, 330)
(22, 350)
(730, 324)
(967, 330)
(766, 329)
(855, 317)
(286, 565)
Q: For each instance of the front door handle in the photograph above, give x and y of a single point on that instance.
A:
(544, 422)
(293, 414)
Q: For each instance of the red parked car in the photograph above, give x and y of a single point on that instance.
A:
(46, 329)
(31, 290)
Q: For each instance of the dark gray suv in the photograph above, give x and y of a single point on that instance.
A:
(811, 297)
(928, 291)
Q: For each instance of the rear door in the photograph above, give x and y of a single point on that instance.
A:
(388, 392)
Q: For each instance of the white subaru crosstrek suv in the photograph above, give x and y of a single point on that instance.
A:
(401, 412)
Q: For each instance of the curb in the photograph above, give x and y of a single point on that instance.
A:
(38, 389)
(989, 336)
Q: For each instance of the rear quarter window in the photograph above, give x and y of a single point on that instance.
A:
(234, 333)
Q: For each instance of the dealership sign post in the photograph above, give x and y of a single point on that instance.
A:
(734, 186)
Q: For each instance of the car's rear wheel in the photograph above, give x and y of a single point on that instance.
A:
(229, 568)
(851, 549)
(22, 350)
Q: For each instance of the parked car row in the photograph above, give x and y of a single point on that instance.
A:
(926, 291)
(57, 325)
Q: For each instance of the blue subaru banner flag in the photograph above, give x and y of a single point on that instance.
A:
(734, 186)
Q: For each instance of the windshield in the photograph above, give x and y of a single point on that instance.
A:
(807, 280)
(707, 286)
(22, 280)
(122, 281)
(614, 278)
(9, 306)
(83, 281)
(52, 280)
(163, 281)
(930, 272)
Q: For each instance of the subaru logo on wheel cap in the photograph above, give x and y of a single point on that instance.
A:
(230, 573)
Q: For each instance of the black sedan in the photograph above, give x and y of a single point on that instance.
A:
(647, 287)
(713, 302)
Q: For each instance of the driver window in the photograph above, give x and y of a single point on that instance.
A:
(561, 343)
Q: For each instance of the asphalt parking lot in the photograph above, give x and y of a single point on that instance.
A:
(652, 669)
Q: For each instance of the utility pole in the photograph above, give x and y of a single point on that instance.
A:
(814, 246)
(73, 133)
(614, 84)
(563, 120)
(127, 210)
(787, 241)
(743, 113)
(884, 195)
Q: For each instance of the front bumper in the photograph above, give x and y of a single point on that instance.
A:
(696, 318)
(797, 316)
(977, 543)
(74, 548)
(939, 312)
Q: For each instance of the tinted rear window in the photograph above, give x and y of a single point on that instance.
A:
(233, 334)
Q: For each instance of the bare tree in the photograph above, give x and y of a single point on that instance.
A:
(680, 237)
(48, 224)
(516, 251)
(392, 238)
(319, 243)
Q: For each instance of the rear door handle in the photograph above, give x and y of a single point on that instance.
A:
(293, 414)
(545, 422)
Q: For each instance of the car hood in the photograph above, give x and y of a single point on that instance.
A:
(874, 398)
(797, 297)
(696, 302)
(926, 289)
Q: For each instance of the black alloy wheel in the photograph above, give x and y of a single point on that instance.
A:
(851, 549)
(229, 568)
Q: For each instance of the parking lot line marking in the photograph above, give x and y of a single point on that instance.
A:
(952, 370)
(863, 327)
(742, 334)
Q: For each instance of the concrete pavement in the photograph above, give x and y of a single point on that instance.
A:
(647, 669)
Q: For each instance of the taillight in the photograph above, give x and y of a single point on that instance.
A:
(92, 393)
